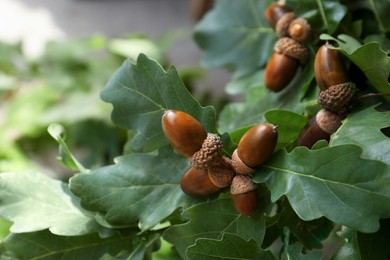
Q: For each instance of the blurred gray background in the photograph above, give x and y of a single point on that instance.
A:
(34, 22)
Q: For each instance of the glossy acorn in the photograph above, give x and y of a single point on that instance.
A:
(311, 134)
(280, 71)
(329, 69)
(196, 183)
(282, 67)
(244, 195)
(184, 132)
(274, 12)
(255, 147)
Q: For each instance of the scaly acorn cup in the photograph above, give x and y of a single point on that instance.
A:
(338, 98)
(221, 174)
(196, 183)
(255, 147)
(184, 133)
(244, 194)
(329, 69)
(284, 63)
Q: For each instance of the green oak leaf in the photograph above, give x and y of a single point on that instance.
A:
(294, 251)
(363, 128)
(235, 34)
(310, 233)
(34, 201)
(45, 245)
(289, 125)
(66, 157)
(139, 187)
(370, 58)
(334, 182)
(140, 93)
(324, 15)
(249, 112)
(230, 246)
(211, 220)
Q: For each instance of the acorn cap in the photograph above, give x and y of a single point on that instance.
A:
(239, 166)
(242, 184)
(209, 153)
(299, 29)
(221, 175)
(283, 24)
(328, 121)
(293, 49)
(338, 98)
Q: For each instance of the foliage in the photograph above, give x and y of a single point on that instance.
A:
(124, 201)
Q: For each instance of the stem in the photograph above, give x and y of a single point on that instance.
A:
(377, 18)
(373, 95)
(322, 13)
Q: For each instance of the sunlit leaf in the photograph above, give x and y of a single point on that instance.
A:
(45, 245)
(140, 93)
(65, 156)
(33, 201)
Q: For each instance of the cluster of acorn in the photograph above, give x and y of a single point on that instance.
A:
(210, 170)
(336, 96)
(290, 51)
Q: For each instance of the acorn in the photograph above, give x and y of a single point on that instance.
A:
(184, 132)
(244, 194)
(284, 63)
(338, 98)
(255, 147)
(311, 134)
(283, 24)
(196, 182)
(300, 30)
(274, 12)
(329, 69)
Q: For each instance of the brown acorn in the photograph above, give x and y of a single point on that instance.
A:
(274, 12)
(283, 24)
(329, 69)
(255, 147)
(244, 194)
(184, 132)
(311, 134)
(196, 182)
(284, 63)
